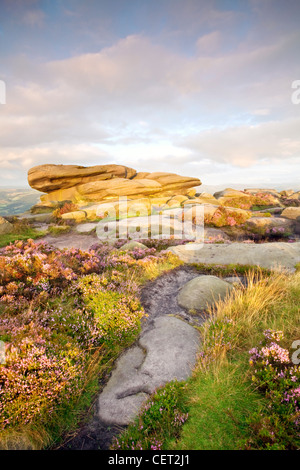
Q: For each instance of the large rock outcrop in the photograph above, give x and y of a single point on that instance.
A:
(104, 182)
(48, 178)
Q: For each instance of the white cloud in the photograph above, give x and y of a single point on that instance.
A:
(155, 109)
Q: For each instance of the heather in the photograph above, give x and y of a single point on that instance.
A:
(63, 313)
(244, 390)
(225, 216)
(254, 202)
(159, 420)
(66, 315)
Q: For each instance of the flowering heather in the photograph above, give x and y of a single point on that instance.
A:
(278, 379)
(247, 202)
(161, 418)
(58, 307)
(34, 382)
(224, 216)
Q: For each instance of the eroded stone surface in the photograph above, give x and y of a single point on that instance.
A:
(165, 351)
(202, 291)
(275, 255)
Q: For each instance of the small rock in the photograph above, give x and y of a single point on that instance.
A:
(291, 213)
(233, 280)
(5, 226)
(76, 215)
(132, 245)
(86, 228)
(202, 291)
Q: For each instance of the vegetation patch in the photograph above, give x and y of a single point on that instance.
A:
(244, 392)
(65, 316)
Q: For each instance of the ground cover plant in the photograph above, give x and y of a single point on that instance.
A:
(21, 231)
(254, 202)
(65, 316)
(244, 391)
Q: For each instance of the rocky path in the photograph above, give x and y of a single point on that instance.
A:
(166, 349)
(167, 346)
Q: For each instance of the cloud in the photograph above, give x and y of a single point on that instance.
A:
(34, 17)
(246, 145)
(141, 102)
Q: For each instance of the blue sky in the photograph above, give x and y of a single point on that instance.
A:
(193, 87)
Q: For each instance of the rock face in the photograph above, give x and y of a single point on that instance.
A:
(104, 182)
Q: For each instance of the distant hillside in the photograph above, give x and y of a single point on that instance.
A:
(15, 201)
(209, 188)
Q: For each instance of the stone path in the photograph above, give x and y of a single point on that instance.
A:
(164, 352)
(168, 344)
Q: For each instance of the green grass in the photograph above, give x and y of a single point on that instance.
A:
(220, 400)
(220, 396)
(27, 233)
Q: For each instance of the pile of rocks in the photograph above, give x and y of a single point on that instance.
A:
(116, 198)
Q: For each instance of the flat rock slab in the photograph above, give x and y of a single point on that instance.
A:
(86, 228)
(71, 240)
(275, 255)
(165, 351)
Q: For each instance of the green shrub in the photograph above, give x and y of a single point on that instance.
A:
(117, 315)
(58, 229)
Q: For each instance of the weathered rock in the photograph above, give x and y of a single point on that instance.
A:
(229, 192)
(76, 215)
(86, 228)
(179, 198)
(273, 192)
(105, 182)
(132, 245)
(45, 218)
(202, 292)
(257, 223)
(170, 182)
(201, 209)
(205, 198)
(287, 193)
(5, 226)
(295, 195)
(144, 227)
(48, 178)
(277, 255)
(191, 192)
(165, 352)
(291, 213)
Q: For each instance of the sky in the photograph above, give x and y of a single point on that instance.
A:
(196, 87)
